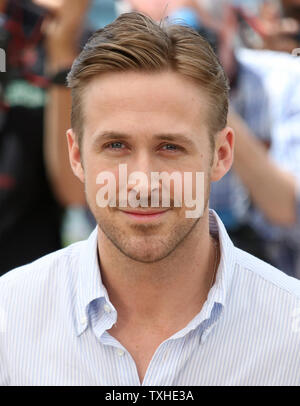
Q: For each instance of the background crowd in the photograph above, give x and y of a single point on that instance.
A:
(42, 204)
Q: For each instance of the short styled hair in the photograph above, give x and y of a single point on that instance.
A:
(135, 42)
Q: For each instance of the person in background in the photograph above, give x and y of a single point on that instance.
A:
(281, 25)
(267, 153)
(30, 215)
(65, 31)
(280, 76)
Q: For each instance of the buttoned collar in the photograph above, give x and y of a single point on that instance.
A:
(89, 283)
(218, 294)
(227, 259)
(91, 289)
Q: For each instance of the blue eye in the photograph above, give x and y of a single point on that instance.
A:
(115, 145)
(170, 147)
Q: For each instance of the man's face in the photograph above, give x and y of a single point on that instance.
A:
(151, 123)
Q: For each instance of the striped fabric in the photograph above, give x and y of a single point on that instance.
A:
(55, 313)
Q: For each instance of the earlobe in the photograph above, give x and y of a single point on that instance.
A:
(223, 155)
(75, 155)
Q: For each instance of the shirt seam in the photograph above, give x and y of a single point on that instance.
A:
(282, 288)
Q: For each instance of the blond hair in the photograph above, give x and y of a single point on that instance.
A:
(134, 42)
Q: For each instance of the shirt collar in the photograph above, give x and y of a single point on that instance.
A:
(219, 291)
(90, 286)
(218, 294)
(89, 283)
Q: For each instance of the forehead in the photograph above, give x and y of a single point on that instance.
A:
(141, 102)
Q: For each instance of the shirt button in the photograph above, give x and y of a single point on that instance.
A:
(120, 352)
(107, 308)
(83, 320)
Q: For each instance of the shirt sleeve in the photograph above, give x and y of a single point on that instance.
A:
(251, 101)
(4, 376)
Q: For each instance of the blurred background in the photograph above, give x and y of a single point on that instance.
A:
(42, 205)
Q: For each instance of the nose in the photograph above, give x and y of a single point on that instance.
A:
(139, 174)
(140, 180)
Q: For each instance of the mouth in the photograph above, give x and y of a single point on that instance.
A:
(144, 215)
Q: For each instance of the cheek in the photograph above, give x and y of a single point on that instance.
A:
(97, 176)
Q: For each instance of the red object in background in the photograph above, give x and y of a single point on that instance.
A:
(7, 182)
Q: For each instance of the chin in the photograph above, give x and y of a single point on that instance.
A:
(140, 251)
(146, 243)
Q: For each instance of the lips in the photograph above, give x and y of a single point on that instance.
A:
(144, 215)
(144, 212)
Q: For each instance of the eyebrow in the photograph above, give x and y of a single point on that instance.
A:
(173, 137)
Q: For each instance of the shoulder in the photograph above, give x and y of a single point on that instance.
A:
(267, 275)
(268, 302)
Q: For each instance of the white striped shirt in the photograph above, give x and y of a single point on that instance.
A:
(55, 313)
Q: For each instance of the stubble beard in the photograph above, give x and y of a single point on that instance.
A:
(145, 243)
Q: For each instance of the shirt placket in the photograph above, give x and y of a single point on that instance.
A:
(163, 365)
(125, 373)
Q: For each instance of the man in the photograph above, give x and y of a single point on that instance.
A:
(153, 297)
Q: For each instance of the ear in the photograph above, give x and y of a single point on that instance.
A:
(223, 155)
(75, 155)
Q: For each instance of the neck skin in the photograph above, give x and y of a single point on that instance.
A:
(157, 293)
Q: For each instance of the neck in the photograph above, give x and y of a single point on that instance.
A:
(159, 291)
